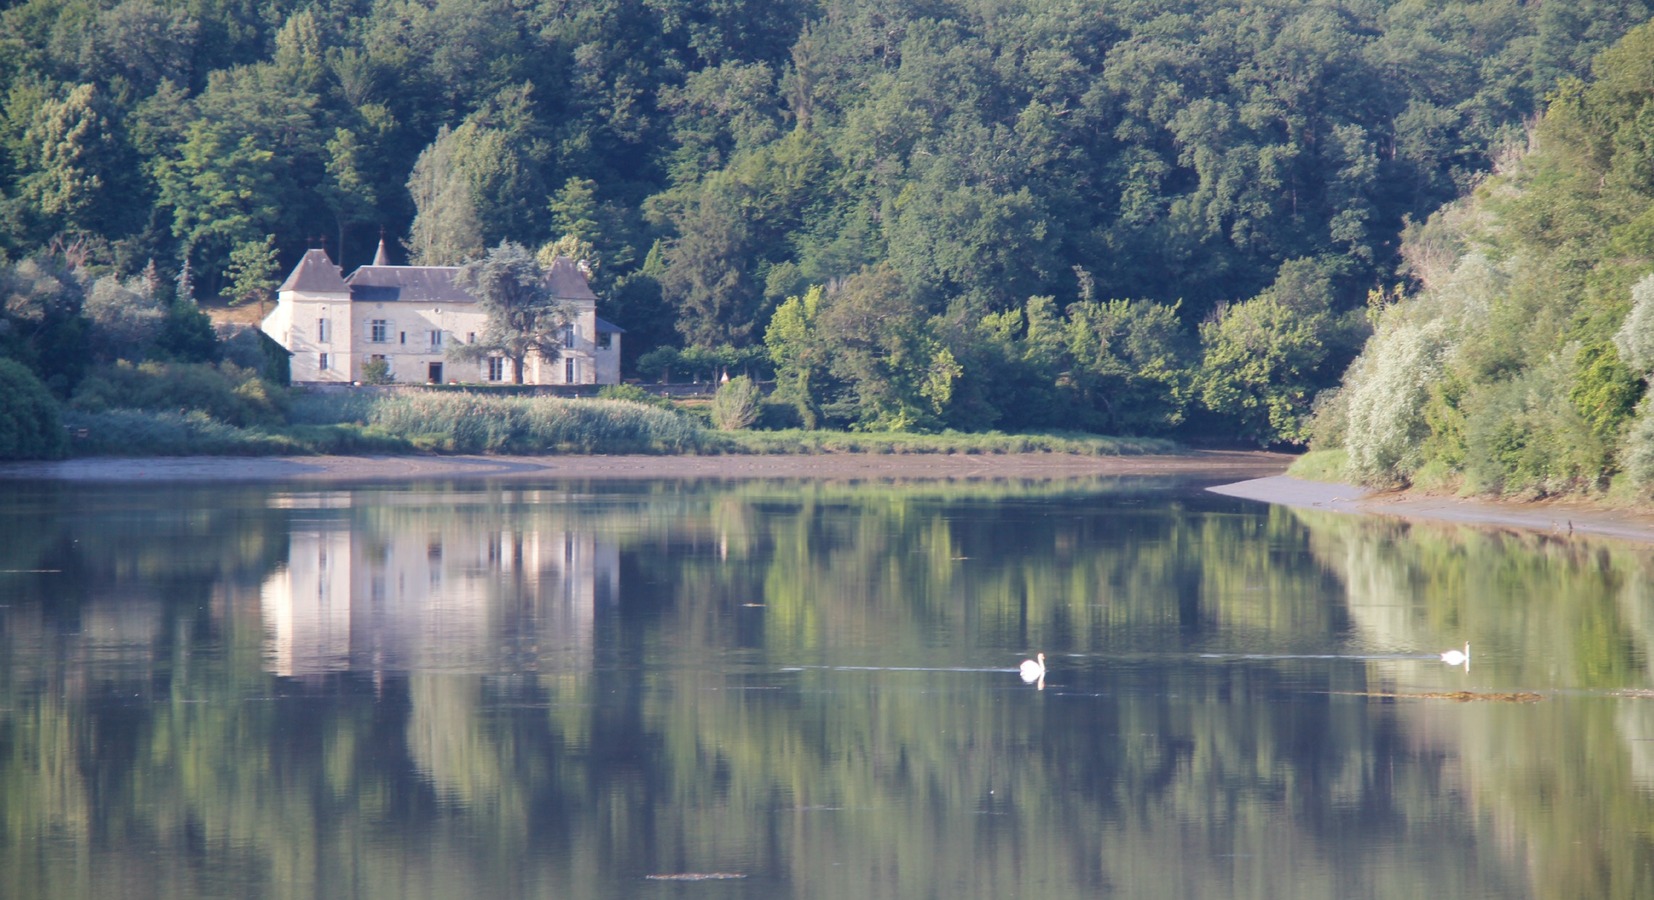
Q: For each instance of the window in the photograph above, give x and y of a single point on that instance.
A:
(496, 368)
(568, 335)
(379, 331)
(605, 340)
(404, 337)
(324, 331)
(568, 371)
(470, 337)
(436, 339)
(321, 363)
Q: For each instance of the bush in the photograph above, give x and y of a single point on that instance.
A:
(377, 371)
(131, 432)
(227, 393)
(29, 423)
(735, 406)
(1637, 449)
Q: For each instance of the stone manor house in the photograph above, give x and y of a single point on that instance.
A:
(409, 316)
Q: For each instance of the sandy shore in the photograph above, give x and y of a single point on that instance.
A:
(1252, 475)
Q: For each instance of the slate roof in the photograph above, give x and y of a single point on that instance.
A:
(567, 281)
(315, 274)
(381, 283)
(604, 325)
(432, 284)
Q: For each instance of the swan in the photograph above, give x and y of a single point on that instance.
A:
(1033, 669)
(1458, 657)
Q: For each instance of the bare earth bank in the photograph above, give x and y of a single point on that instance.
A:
(861, 466)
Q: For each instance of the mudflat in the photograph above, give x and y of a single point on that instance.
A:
(895, 466)
(1563, 518)
(1250, 474)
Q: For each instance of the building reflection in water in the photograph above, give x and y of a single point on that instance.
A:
(405, 589)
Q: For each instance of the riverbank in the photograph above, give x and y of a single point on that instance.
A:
(1236, 465)
(1558, 517)
(1251, 475)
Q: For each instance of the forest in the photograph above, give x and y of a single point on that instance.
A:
(1136, 217)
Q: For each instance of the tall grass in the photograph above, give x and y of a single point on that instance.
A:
(801, 441)
(403, 421)
(476, 423)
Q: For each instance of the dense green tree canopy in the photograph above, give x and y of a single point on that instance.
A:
(1522, 364)
(720, 157)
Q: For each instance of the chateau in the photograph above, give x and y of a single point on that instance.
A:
(408, 316)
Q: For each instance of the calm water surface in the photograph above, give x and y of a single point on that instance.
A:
(797, 689)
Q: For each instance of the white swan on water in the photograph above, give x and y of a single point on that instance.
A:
(1033, 669)
(1458, 657)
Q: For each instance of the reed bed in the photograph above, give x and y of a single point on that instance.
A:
(992, 443)
(477, 423)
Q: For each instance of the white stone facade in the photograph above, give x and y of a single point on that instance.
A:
(410, 316)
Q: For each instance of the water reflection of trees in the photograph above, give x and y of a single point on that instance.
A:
(1568, 779)
(187, 764)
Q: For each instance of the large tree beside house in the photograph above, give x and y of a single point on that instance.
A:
(524, 317)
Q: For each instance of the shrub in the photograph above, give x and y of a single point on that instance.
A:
(1637, 450)
(1384, 397)
(29, 423)
(377, 371)
(735, 406)
(226, 392)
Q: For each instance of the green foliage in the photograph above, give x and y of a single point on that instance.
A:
(630, 393)
(660, 362)
(126, 318)
(1635, 339)
(1263, 358)
(799, 362)
(29, 424)
(225, 393)
(1525, 376)
(736, 404)
(463, 422)
(991, 443)
(377, 371)
(187, 335)
(523, 317)
(1127, 364)
(42, 323)
(1185, 157)
(253, 270)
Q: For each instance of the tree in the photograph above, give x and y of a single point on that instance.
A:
(29, 426)
(349, 194)
(446, 229)
(250, 163)
(72, 159)
(797, 354)
(44, 326)
(735, 405)
(126, 318)
(524, 319)
(253, 270)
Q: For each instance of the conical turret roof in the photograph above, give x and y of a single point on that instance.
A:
(315, 274)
